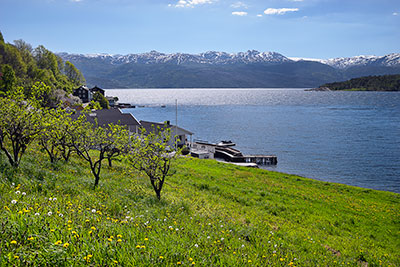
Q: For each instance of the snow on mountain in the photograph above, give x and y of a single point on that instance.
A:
(251, 56)
(210, 57)
(344, 63)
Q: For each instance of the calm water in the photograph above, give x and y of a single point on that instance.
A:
(344, 137)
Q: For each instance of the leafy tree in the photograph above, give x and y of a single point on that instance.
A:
(92, 142)
(151, 155)
(54, 137)
(102, 100)
(73, 74)
(19, 125)
(7, 79)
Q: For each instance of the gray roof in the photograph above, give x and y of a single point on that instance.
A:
(150, 126)
(107, 116)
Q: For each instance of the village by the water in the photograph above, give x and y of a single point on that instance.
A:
(203, 149)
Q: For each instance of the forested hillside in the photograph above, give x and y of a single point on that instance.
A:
(22, 66)
(369, 83)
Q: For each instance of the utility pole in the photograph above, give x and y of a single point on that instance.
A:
(176, 124)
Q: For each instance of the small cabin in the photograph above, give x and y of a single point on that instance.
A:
(83, 93)
(97, 89)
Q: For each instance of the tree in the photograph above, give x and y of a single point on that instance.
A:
(98, 97)
(73, 74)
(151, 155)
(92, 142)
(54, 138)
(7, 79)
(19, 125)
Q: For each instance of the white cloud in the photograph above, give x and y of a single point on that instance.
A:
(76, 1)
(191, 3)
(297, 0)
(259, 15)
(239, 13)
(279, 11)
(239, 5)
(395, 14)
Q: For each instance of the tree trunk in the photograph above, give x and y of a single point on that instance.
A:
(109, 162)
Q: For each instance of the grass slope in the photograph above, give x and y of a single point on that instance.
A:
(211, 214)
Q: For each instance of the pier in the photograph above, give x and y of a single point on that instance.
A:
(233, 155)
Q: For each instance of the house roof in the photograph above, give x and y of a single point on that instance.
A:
(95, 88)
(107, 116)
(82, 87)
(150, 126)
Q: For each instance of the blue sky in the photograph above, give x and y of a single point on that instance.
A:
(294, 28)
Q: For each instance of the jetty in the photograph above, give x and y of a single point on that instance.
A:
(224, 150)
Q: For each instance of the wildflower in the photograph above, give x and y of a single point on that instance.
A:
(17, 192)
(69, 221)
(61, 215)
(143, 247)
(119, 240)
(208, 237)
(137, 246)
(13, 201)
(58, 242)
(30, 238)
(222, 239)
(161, 257)
(13, 242)
(196, 245)
(119, 236)
(37, 214)
(23, 193)
(93, 228)
(54, 198)
(49, 213)
(66, 245)
(93, 211)
(193, 263)
(281, 259)
(20, 212)
(50, 199)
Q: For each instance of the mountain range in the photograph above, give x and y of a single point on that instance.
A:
(251, 69)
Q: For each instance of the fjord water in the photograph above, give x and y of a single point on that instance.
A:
(344, 137)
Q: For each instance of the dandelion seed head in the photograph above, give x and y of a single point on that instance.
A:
(37, 214)
(49, 213)
(13, 201)
(17, 192)
(23, 193)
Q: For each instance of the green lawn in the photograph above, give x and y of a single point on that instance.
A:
(211, 214)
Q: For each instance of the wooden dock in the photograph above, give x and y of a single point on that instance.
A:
(261, 159)
(233, 155)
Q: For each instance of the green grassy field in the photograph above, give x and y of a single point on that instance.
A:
(211, 214)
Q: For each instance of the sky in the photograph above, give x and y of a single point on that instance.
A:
(295, 28)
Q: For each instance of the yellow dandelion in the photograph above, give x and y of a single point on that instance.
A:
(58, 242)
(137, 246)
(190, 259)
(161, 257)
(143, 247)
(30, 238)
(112, 237)
(90, 232)
(193, 263)
(13, 242)
(249, 261)
(281, 259)
(69, 221)
(66, 245)
(109, 239)
(115, 261)
(20, 212)
(16, 257)
(179, 263)
(146, 239)
(119, 236)
(93, 228)
(119, 240)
